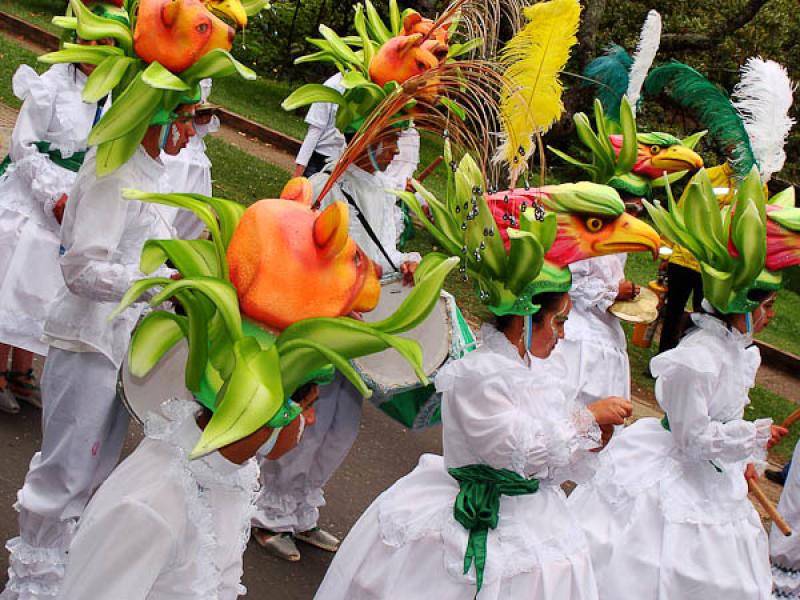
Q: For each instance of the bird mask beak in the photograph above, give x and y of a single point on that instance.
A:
(229, 9)
(630, 235)
(676, 158)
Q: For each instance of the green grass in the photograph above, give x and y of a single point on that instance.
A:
(242, 177)
(38, 12)
(764, 403)
(11, 57)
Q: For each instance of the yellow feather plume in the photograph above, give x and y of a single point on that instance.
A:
(533, 60)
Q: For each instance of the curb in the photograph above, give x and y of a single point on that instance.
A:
(49, 41)
(780, 359)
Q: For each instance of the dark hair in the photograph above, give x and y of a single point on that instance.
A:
(547, 300)
(303, 391)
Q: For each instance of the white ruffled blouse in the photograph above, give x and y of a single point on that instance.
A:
(163, 527)
(102, 238)
(52, 111)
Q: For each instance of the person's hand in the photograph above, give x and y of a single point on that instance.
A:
(407, 271)
(611, 411)
(778, 433)
(299, 170)
(750, 472)
(627, 290)
(58, 208)
(204, 118)
(606, 433)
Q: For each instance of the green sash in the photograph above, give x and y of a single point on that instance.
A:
(73, 163)
(477, 506)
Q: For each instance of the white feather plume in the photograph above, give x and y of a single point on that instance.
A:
(646, 50)
(763, 98)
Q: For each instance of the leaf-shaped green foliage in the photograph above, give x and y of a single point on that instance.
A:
(526, 257)
(115, 152)
(160, 78)
(190, 257)
(376, 25)
(253, 7)
(628, 152)
(127, 111)
(311, 93)
(77, 53)
(94, 27)
(153, 337)
(217, 63)
(106, 77)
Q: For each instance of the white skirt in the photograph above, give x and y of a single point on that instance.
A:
(785, 551)
(30, 278)
(407, 545)
(663, 528)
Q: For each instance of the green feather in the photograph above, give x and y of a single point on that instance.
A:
(609, 74)
(711, 107)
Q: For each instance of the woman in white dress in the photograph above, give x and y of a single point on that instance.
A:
(490, 514)
(667, 513)
(785, 551)
(47, 149)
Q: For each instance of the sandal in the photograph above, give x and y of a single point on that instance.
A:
(319, 538)
(23, 386)
(278, 544)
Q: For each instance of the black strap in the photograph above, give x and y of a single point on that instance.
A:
(368, 228)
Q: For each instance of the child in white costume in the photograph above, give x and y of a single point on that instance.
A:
(594, 350)
(292, 488)
(47, 148)
(785, 551)
(667, 513)
(189, 172)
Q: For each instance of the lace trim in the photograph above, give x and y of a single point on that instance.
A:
(33, 570)
(785, 581)
(193, 474)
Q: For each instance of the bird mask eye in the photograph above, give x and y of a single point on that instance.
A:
(655, 149)
(594, 224)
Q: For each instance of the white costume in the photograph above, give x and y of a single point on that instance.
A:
(52, 112)
(292, 485)
(667, 514)
(497, 412)
(593, 354)
(785, 551)
(83, 423)
(322, 136)
(189, 172)
(163, 527)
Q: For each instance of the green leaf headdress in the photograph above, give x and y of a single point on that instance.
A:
(730, 243)
(243, 373)
(140, 90)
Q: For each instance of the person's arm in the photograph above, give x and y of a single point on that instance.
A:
(307, 149)
(683, 392)
(589, 288)
(119, 554)
(94, 225)
(45, 180)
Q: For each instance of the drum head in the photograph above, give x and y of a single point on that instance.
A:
(388, 369)
(642, 309)
(142, 395)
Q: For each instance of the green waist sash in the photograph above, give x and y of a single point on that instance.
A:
(477, 506)
(73, 163)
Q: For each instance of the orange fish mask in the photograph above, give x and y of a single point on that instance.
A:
(403, 57)
(290, 262)
(416, 23)
(176, 33)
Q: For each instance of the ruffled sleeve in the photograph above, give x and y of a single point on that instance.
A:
(504, 433)
(46, 180)
(94, 225)
(684, 390)
(592, 286)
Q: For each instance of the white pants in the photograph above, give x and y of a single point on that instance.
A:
(291, 487)
(83, 431)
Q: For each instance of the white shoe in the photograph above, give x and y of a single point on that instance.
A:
(319, 538)
(278, 544)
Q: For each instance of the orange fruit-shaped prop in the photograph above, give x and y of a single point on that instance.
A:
(290, 262)
(176, 33)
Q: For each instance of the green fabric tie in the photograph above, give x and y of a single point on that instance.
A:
(477, 506)
(73, 163)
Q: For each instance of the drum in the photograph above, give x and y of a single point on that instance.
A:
(443, 336)
(143, 395)
(642, 309)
